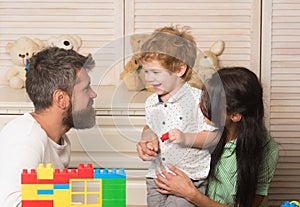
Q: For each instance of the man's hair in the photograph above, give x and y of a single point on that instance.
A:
(51, 69)
(171, 47)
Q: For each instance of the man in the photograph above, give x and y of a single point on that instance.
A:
(58, 84)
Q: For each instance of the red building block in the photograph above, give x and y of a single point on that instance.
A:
(165, 137)
(37, 203)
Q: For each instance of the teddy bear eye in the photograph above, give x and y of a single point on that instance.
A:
(26, 53)
(66, 43)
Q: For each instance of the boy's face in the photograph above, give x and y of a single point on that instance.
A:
(163, 81)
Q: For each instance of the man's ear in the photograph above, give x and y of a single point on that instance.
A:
(236, 117)
(182, 70)
(61, 99)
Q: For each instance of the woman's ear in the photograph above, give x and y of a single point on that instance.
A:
(61, 99)
(182, 70)
(236, 117)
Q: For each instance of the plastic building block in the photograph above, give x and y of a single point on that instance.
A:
(37, 203)
(110, 174)
(290, 204)
(45, 173)
(164, 137)
(85, 172)
(84, 186)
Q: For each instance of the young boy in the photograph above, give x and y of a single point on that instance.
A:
(172, 112)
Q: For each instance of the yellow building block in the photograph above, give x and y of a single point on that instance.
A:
(61, 197)
(86, 192)
(29, 191)
(45, 173)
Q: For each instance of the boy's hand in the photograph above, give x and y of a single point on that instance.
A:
(147, 150)
(177, 137)
(148, 146)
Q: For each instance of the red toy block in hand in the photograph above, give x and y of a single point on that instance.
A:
(165, 137)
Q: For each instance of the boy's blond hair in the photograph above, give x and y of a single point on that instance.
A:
(171, 47)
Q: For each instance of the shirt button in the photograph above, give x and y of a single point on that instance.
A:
(163, 123)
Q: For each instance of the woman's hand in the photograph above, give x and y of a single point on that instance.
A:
(178, 183)
(175, 182)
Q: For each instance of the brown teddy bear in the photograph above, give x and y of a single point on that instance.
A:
(206, 64)
(133, 74)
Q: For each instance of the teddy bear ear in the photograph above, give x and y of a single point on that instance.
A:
(137, 40)
(77, 39)
(51, 41)
(39, 43)
(8, 47)
(218, 47)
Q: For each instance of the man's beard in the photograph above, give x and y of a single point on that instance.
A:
(82, 119)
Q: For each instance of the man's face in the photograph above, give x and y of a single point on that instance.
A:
(81, 114)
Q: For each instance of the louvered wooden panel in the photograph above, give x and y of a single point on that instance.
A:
(281, 78)
(234, 21)
(98, 22)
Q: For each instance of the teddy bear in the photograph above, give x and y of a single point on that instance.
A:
(65, 41)
(20, 51)
(206, 64)
(133, 74)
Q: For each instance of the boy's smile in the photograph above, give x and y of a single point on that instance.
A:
(164, 82)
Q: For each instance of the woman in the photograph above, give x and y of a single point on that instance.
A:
(244, 160)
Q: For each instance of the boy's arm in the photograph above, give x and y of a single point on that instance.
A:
(203, 139)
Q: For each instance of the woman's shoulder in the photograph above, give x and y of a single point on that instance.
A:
(271, 153)
(271, 146)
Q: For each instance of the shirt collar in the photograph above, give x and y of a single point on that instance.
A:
(229, 147)
(178, 95)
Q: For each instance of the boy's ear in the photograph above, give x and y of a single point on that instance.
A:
(236, 117)
(61, 99)
(182, 70)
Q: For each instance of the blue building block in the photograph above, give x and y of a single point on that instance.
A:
(45, 192)
(289, 204)
(61, 186)
(110, 174)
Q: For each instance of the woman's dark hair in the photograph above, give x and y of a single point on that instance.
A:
(244, 95)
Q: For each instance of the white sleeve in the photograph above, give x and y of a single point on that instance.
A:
(21, 151)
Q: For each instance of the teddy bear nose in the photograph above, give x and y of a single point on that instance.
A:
(66, 43)
(21, 56)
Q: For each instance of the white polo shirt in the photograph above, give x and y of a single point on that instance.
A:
(182, 112)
